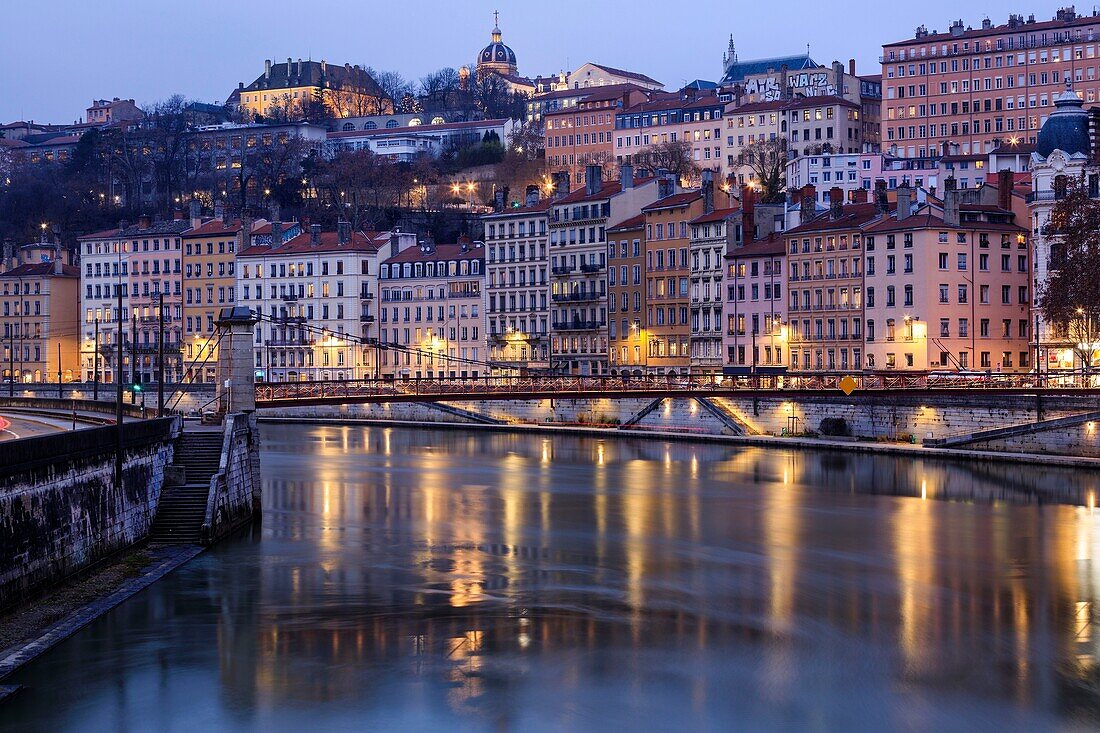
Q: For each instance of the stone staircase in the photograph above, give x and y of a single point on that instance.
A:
(182, 509)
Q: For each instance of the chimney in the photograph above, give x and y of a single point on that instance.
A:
(561, 184)
(244, 234)
(708, 191)
(58, 264)
(324, 67)
(859, 196)
(464, 242)
(851, 67)
(219, 209)
(225, 216)
(1004, 189)
(836, 202)
(276, 233)
(880, 196)
(951, 205)
(531, 196)
(314, 235)
(807, 203)
(593, 178)
(395, 243)
(144, 221)
(500, 199)
(123, 223)
(195, 213)
(626, 176)
(177, 214)
(950, 184)
(267, 68)
(748, 213)
(905, 202)
(664, 185)
(343, 232)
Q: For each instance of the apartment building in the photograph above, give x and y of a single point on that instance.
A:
(747, 125)
(145, 259)
(755, 309)
(316, 294)
(517, 287)
(947, 284)
(668, 276)
(39, 315)
(977, 86)
(210, 283)
(578, 264)
(825, 281)
(711, 234)
(691, 115)
(815, 125)
(433, 309)
(627, 342)
(582, 134)
(156, 286)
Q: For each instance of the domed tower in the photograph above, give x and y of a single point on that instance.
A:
(496, 57)
(1067, 128)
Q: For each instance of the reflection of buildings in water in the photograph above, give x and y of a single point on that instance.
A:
(730, 545)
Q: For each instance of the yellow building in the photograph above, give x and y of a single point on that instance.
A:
(209, 284)
(286, 91)
(39, 308)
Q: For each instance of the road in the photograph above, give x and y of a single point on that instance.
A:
(14, 427)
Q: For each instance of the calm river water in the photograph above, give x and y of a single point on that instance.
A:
(436, 580)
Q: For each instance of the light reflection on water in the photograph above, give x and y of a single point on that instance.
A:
(419, 580)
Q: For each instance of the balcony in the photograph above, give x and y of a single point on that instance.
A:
(561, 270)
(581, 297)
(309, 341)
(152, 349)
(577, 325)
(1043, 196)
(366, 318)
(366, 296)
(591, 267)
(289, 298)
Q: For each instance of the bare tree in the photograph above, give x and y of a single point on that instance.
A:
(766, 161)
(392, 83)
(1068, 297)
(673, 156)
(438, 90)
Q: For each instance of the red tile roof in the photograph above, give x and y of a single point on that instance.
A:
(676, 200)
(360, 242)
(40, 269)
(634, 222)
(770, 245)
(998, 30)
(852, 217)
(716, 215)
(218, 227)
(440, 253)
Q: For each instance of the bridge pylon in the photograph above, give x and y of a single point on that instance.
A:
(236, 374)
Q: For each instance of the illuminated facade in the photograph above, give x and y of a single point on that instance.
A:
(433, 307)
(39, 307)
(518, 285)
(626, 301)
(286, 91)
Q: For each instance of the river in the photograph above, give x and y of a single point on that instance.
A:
(439, 580)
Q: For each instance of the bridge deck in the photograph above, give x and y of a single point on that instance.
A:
(583, 387)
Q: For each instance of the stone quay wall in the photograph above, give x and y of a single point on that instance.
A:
(60, 508)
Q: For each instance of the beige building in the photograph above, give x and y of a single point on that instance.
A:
(432, 310)
(947, 287)
(39, 316)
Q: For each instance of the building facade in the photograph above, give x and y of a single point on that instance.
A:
(626, 302)
(582, 134)
(433, 310)
(316, 295)
(517, 313)
(39, 316)
(978, 86)
(286, 91)
(668, 278)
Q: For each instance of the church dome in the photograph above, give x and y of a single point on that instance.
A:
(497, 53)
(1067, 128)
(497, 56)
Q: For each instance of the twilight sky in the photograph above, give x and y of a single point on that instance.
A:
(57, 59)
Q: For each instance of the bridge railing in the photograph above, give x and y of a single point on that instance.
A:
(565, 385)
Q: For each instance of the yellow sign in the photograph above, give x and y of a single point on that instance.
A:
(847, 385)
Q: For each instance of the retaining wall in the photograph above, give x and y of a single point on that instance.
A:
(60, 508)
